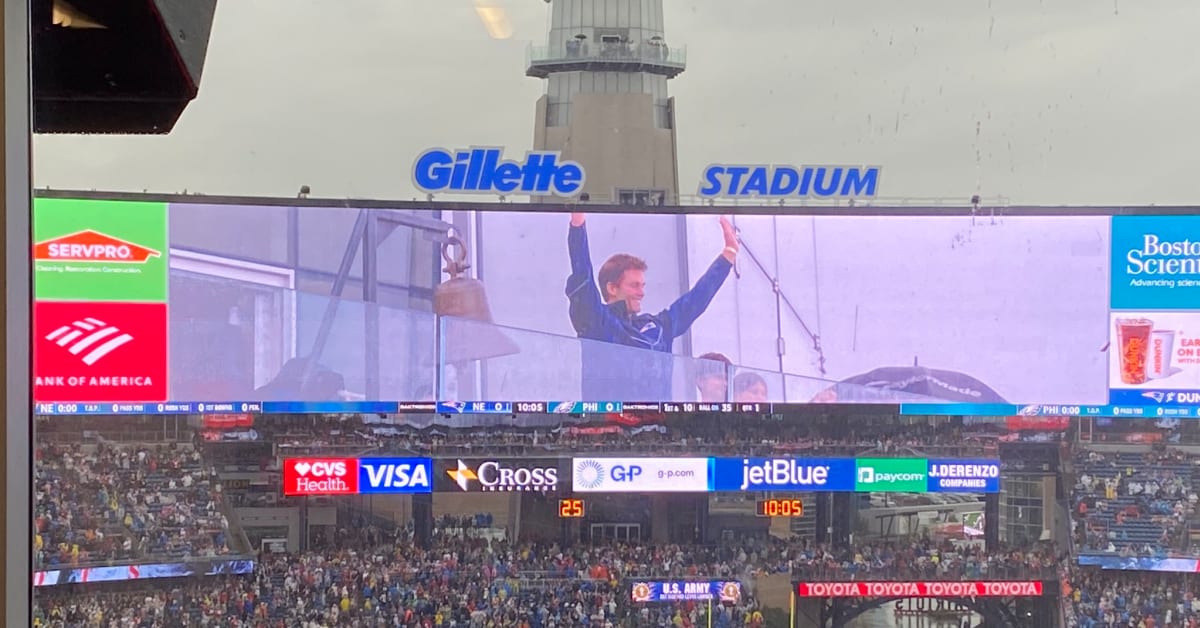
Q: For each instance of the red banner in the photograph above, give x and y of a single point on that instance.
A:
(228, 421)
(320, 476)
(1038, 423)
(919, 589)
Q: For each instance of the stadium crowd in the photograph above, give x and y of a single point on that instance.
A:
(1099, 599)
(375, 577)
(105, 504)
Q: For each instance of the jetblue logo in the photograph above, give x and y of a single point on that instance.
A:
(720, 180)
(395, 475)
(782, 473)
(485, 171)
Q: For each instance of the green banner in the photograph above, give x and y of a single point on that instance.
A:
(891, 475)
(88, 250)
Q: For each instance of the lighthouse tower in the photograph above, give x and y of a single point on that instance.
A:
(606, 65)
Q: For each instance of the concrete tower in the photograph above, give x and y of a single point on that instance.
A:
(606, 63)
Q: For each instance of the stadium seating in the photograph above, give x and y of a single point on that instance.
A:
(1133, 503)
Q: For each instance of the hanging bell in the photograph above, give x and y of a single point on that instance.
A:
(468, 332)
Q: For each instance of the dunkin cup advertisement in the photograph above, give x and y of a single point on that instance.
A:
(1155, 351)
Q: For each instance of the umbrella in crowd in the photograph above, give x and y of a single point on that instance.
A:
(910, 383)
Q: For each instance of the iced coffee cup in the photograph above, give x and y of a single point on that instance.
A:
(1133, 344)
(1162, 343)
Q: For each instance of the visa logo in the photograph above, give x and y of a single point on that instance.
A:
(404, 475)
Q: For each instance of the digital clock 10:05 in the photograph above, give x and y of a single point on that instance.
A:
(780, 508)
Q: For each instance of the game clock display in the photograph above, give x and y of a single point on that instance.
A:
(570, 508)
(780, 508)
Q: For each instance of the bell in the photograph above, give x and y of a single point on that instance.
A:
(468, 333)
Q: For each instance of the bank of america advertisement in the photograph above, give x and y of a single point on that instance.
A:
(146, 301)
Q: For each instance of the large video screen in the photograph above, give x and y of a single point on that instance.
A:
(196, 305)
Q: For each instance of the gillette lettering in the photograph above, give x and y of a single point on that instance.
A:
(484, 170)
(782, 473)
(1156, 257)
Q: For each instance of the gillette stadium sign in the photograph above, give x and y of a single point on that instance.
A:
(483, 170)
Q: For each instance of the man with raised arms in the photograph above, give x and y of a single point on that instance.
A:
(607, 308)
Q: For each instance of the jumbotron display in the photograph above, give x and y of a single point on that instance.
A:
(190, 305)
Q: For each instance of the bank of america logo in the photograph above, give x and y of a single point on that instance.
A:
(95, 337)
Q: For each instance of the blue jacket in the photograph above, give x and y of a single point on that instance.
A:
(615, 374)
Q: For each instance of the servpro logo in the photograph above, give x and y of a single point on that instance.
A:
(92, 246)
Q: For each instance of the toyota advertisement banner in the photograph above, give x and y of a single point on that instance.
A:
(171, 304)
(979, 588)
(352, 476)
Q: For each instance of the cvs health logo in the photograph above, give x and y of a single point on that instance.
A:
(320, 476)
(94, 351)
(395, 475)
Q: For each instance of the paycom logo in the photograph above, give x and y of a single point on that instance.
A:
(1155, 262)
(891, 475)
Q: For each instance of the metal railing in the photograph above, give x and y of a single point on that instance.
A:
(581, 52)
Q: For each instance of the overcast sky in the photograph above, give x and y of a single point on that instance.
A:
(1042, 101)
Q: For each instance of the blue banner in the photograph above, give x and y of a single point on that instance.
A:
(963, 476)
(683, 591)
(783, 474)
(81, 575)
(1175, 399)
(1140, 563)
(395, 475)
(1155, 262)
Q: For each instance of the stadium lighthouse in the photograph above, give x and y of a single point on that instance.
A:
(606, 104)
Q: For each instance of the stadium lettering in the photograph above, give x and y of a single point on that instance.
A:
(783, 473)
(721, 180)
(484, 171)
(1156, 257)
